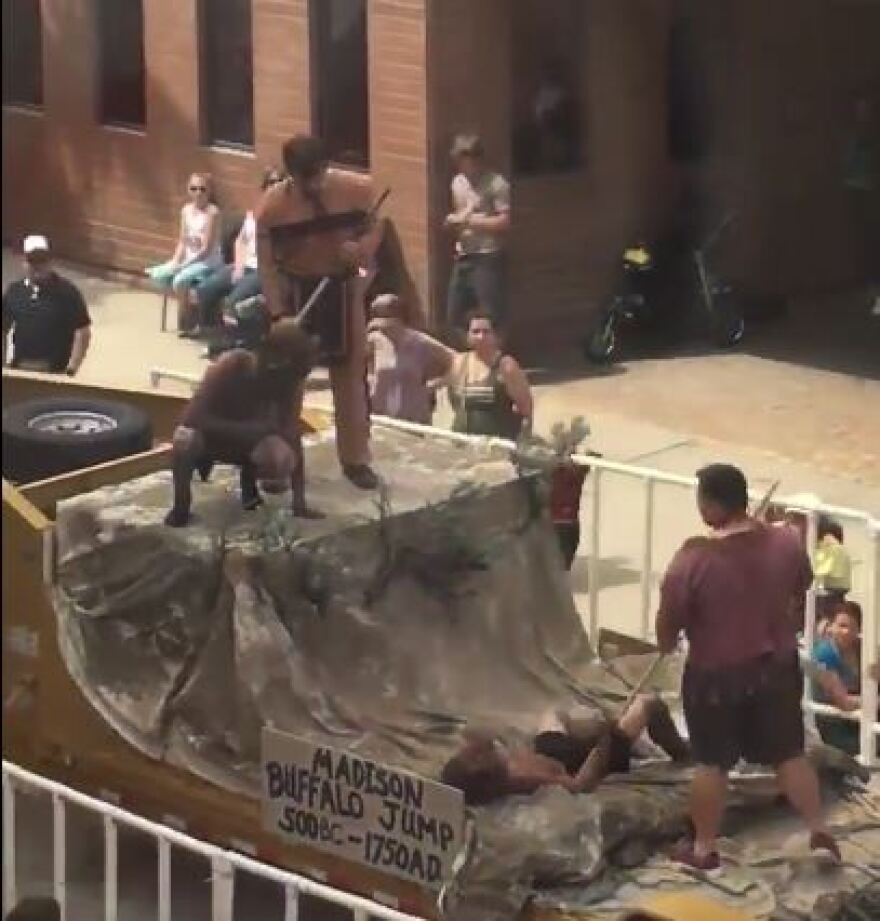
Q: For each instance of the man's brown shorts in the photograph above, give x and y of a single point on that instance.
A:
(750, 711)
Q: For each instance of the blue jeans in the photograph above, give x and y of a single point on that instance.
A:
(219, 285)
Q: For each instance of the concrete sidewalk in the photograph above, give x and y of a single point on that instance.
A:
(127, 344)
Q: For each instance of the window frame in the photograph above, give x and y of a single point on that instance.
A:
(101, 116)
(318, 25)
(21, 105)
(578, 69)
(205, 98)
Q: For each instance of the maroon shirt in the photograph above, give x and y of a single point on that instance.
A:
(733, 596)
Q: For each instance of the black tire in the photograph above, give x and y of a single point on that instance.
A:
(44, 438)
(600, 345)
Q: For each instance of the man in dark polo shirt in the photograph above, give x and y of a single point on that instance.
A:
(734, 595)
(48, 318)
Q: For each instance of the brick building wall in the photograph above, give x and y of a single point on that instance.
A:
(779, 81)
(111, 196)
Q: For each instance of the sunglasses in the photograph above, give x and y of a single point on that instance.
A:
(198, 188)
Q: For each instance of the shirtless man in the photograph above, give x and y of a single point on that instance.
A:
(575, 753)
(246, 412)
(314, 225)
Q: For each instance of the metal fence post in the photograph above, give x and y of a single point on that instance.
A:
(9, 886)
(647, 558)
(871, 651)
(222, 889)
(595, 556)
(111, 870)
(59, 853)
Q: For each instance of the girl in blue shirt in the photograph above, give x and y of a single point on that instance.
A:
(838, 654)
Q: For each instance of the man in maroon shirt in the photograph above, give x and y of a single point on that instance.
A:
(734, 596)
(246, 412)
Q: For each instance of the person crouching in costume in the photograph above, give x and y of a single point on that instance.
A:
(316, 225)
(246, 412)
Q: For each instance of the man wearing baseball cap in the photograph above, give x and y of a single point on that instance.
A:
(47, 315)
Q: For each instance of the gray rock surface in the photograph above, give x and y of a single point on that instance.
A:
(384, 628)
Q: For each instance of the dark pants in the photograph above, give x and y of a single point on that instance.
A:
(478, 281)
(752, 710)
(219, 285)
(568, 533)
(198, 457)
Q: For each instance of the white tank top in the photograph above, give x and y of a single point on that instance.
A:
(195, 234)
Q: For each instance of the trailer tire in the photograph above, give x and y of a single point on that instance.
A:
(47, 437)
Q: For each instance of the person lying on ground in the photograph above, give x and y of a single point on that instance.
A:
(838, 682)
(247, 412)
(572, 752)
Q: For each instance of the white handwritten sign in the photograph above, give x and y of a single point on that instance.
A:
(359, 810)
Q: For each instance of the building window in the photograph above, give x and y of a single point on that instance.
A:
(22, 53)
(227, 72)
(340, 78)
(549, 37)
(121, 62)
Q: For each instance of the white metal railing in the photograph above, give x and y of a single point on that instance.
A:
(157, 375)
(812, 507)
(224, 863)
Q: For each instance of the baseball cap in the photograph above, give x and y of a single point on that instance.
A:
(35, 243)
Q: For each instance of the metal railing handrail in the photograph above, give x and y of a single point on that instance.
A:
(224, 862)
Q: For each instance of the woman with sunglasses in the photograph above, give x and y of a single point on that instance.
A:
(197, 254)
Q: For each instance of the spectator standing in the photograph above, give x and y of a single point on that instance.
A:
(47, 315)
(401, 363)
(488, 390)
(832, 565)
(732, 595)
(480, 220)
(197, 254)
(240, 280)
(246, 412)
